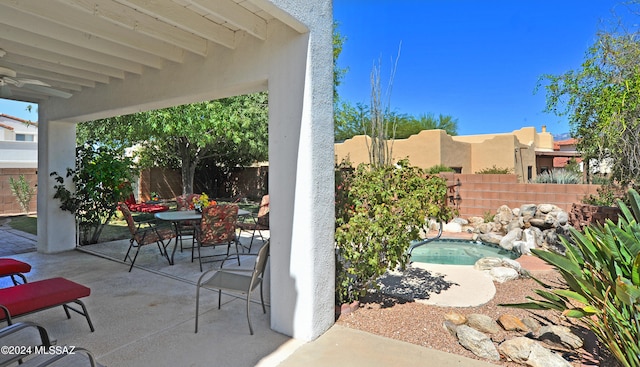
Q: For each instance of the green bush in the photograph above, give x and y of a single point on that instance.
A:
(601, 270)
(22, 190)
(379, 211)
(101, 179)
(439, 168)
(607, 195)
(558, 176)
(495, 171)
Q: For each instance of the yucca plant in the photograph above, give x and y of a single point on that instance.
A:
(601, 270)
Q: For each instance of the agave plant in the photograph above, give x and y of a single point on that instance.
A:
(558, 176)
(601, 270)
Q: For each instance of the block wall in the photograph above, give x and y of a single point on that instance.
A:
(486, 193)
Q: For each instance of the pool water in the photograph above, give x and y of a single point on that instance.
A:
(458, 252)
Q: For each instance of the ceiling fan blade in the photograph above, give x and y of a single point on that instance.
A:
(22, 82)
(5, 91)
(47, 90)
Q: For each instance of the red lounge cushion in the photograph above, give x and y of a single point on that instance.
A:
(25, 298)
(11, 266)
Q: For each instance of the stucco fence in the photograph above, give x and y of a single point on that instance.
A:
(481, 194)
(8, 202)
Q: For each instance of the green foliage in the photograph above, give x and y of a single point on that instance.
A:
(558, 176)
(22, 190)
(350, 121)
(338, 73)
(227, 132)
(607, 195)
(100, 180)
(573, 166)
(602, 274)
(488, 216)
(411, 125)
(378, 212)
(439, 168)
(495, 171)
(602, 102)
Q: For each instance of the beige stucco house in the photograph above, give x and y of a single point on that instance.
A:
(521, 151)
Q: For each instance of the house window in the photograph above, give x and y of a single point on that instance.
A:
(529, 173)
(24, 137)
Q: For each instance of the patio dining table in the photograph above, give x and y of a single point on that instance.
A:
(176, 217)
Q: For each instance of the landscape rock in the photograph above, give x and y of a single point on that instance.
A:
(531, 323)
(487, 263)
(490, 237)
(546, 208)
(456, 318)
(563, 218)
(451, 327)
(528, 210)
(503, 274)
(478, 343)
(512, 323)
(452, 227)
(559, 336)
(483, 323)
(504, 215)
(540, 223)
(508, 240)
(527, 351)
(460, 221)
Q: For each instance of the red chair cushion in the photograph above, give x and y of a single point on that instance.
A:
(11, 266)
(38, 295)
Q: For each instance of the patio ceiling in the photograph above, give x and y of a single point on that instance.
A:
(58, 48)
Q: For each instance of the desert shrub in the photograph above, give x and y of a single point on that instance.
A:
(379, 211)
(495, 171)
(601, 270)
(439, 168)
(22, 190)
(558, 176)
(607, 195)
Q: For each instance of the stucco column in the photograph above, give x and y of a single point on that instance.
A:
(56, 152)
(301, 181)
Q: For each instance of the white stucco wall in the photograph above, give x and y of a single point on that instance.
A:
(295, 65)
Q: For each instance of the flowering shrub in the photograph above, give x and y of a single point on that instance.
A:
(202, 202)
(379, 211)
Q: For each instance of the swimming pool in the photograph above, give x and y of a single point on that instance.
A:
(458, 252)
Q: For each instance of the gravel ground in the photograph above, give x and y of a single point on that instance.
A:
(421, 324)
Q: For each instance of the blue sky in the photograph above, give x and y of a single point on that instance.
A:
(477, 61)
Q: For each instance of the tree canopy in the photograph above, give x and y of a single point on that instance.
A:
(232, 131)
(602, 103)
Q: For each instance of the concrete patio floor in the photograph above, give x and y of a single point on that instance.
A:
(146, 318)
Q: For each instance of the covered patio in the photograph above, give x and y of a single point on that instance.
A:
(104, 58)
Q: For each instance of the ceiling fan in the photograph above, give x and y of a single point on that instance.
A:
(8, 77)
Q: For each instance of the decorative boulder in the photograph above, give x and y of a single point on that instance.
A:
(477, 342)
(508, 240)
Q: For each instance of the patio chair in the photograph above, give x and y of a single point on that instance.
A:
(217, 228)
(145, 233)
(257, 223)
(184, 202)
(232, 281)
